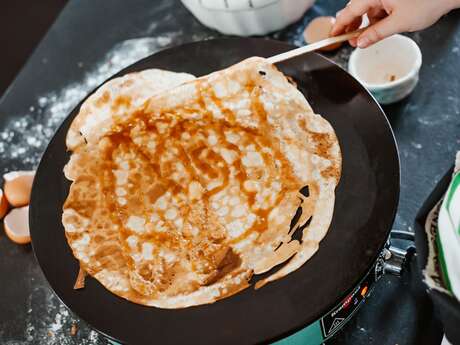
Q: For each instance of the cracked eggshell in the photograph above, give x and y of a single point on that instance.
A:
(319, 29)
(18, 185)
(3, 204)
(16, 224)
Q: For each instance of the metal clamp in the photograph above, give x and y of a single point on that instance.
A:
(395, 258)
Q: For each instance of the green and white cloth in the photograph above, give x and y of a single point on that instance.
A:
(448, 235)
(442, 227)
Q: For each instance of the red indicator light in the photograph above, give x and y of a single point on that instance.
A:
(347, 302)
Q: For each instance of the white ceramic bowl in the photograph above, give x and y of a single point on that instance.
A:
(247, 17)
(389, 69)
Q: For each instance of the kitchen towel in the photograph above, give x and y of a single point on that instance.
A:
(438, 247)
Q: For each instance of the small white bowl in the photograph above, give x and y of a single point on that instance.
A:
(389, 69)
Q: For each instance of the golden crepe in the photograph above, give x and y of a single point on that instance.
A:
(183, 189)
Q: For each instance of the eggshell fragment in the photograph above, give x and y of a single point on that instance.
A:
(3, 204)
(16, 224)
(319, 29)
(18, 185)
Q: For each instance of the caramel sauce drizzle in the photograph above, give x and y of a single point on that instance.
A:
(201, 162)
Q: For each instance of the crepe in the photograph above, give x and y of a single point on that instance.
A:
(181, 194)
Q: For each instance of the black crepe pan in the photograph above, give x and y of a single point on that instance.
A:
(365, 207)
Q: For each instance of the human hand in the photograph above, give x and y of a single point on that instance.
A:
(388, 17)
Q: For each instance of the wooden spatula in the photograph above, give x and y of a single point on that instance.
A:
(314, 46)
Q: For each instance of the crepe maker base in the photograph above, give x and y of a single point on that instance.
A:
(365, 207)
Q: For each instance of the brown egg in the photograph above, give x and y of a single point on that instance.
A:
(16, 224)
(18, 185)
(319, 29)
(3, 204)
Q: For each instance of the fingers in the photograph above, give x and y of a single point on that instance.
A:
(353, 42)
(352, 27)
(380, 30)
(376, 14)
(373, 16)
(355, 9)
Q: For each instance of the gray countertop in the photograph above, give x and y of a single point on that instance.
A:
(92, 40)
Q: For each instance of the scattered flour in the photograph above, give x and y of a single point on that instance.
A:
(49, 322)
(418, 146)
(439, 120)
(23, 140)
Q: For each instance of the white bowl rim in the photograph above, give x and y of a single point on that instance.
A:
(412, 73)
(245, 9)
